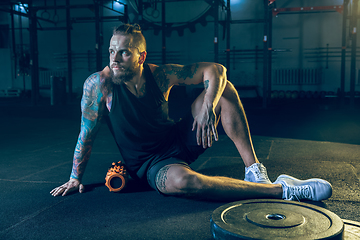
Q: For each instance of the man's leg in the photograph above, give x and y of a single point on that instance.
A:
(233, 120)
(176, 179)
(180, 180)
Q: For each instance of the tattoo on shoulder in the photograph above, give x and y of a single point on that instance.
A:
(90, 83)
(161, 177)
(183, 72)
(142, 90)
(91, 97)
(161, 74)
(161, 79)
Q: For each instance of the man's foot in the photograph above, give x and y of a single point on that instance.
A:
(256, 173)
(314, 189)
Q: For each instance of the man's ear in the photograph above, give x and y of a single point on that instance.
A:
(142, 57)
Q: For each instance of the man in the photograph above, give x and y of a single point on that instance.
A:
(157, 150)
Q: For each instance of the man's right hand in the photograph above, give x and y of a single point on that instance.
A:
(68, 187)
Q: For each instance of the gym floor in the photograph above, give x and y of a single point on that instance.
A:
(302, 138)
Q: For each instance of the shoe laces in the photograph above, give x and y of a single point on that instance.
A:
(299, 192)
(260, 173)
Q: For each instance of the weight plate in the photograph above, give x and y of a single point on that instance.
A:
(351, 230)
(274, 219)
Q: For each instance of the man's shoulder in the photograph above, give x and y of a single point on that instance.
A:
(153, 67)
(93, 77)
(161, 69)
(98, 78)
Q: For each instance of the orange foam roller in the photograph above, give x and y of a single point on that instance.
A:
(116, 177)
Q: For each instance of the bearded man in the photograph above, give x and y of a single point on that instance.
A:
(155, 149)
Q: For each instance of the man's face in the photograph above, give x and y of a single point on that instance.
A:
(124, 59)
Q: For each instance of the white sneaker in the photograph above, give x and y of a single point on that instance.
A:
(256, 173)
(314, 189)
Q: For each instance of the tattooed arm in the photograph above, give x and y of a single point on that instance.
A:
(92, 106)
(213, 76)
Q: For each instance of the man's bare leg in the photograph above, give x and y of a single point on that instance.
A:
(179, 180)
(233, 120)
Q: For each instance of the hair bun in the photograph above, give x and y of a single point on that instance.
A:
(137, 27)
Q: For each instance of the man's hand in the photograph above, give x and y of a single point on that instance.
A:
(68, 187)
(205, 125)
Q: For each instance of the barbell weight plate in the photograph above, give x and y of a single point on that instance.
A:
(351, 230)
(274, 219)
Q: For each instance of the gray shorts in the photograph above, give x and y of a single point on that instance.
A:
(191, 152)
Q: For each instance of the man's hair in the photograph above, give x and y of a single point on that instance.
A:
(138, 39)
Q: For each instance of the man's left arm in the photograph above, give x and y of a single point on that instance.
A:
(213, 76)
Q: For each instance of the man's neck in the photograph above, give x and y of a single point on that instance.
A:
(137, 84)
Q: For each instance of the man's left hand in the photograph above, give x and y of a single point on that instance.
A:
(205, 125)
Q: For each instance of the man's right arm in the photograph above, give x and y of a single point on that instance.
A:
(92, 107)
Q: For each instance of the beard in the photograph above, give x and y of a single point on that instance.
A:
(124, 75)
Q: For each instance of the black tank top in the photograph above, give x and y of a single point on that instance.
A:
(141, 126)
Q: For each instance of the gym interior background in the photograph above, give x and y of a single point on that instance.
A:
(303, 47)
(294, 63)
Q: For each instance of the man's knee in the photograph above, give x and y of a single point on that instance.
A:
(174, 180)
(187, 183)
(230, 88)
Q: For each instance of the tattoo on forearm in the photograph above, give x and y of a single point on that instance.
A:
(206, 84)
(83, 148)
(161, 177)
(92, 108)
